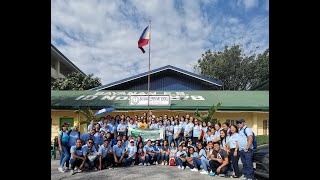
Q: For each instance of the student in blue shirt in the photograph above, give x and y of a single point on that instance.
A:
(99, 140)
(157, 148)
(91, 125)
(91, 155)
(181, 158)
(196, 131)
(118, 153)
(165, 153)
(88, 135)
(105, 128)
(191, 155)
(115, 141)
(173, 151)
(169, 132)
(101, 122)
(140, 154)
(63, 139)
(112, 127)
(131, 151)
(121, 129)
(78, 157)
(246, 149)
(125, 142)
(73, 136)
(205, 161)
(197, 159)
(150, 153)
(104, 154)
(176, 131)
(233, 147)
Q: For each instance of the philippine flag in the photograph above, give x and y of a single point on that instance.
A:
(144, 38)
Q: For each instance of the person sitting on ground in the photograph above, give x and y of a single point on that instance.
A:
(91, 155)
(104, 155)
(205, 161)
(140, 154)
(218, 160)
(197, 159)
(173, 150)
(157, 148)
(189, 162)
(131, 150)
(181, 157)
(118, 153)
(165, 153)
(78, 157)
(150, 153)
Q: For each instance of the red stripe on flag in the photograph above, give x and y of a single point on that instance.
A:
(142, 42)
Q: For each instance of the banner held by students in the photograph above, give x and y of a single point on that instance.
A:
(152, 134)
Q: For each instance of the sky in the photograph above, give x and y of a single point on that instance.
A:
(101, 36)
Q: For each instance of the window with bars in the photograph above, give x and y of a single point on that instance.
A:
(231, 121)
(265, 127)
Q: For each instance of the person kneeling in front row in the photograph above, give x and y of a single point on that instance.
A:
(218, 160)
(78, 157)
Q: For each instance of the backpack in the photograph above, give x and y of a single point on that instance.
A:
(70, 132)
(172, 162)
(254, 141)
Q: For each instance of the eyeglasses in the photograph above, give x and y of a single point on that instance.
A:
(239, 122)
(131, 142)
(90, 142)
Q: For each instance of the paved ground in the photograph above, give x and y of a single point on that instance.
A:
(132, 172)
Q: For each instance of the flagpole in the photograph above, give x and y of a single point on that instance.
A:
(149, 67)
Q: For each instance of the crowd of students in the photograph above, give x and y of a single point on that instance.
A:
(209, 148)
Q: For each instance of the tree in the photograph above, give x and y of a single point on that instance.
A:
(88, 113)
(235, 69)
(208, 116)
(76, 81)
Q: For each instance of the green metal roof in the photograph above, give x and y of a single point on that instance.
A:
(181, 100)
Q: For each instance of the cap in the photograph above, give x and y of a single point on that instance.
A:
(241, 121)
(131, 140)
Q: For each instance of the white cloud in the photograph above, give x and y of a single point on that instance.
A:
(101, 36)
(248, 4)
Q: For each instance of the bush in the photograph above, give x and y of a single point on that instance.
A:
(262, 139)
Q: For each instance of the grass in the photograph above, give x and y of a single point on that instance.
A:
(262, 139)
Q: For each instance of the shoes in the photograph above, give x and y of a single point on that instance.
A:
(148, 164)
(71, 172)
(183, 167)
(139, 164)
(79, 170)
(234, 176)
(75, 168)
(212, 174)
(156, 163)
(194, 169)
(144, 164)
(179, 167)
(162, 163)
(61, 169)
(204, 172)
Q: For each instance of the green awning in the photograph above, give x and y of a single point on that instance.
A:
(180, 100)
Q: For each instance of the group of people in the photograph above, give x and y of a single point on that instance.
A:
(209, 148)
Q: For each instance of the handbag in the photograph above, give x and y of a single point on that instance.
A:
(172, 162)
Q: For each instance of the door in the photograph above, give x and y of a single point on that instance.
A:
(68, 121)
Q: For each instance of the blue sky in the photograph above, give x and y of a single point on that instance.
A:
(100, 36)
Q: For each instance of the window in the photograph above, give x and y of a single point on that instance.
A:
(265, 127)
(231, 121)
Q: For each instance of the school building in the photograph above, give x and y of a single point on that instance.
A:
(182, 93)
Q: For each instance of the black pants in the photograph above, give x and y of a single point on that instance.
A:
(67, 162)
(214, 166)
(194, 140)
(234, 161)
(77, 163)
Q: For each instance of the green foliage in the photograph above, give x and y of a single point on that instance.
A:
(208, 116)
(262, 139)
(76, 81)
(235, 69)
(87, 113)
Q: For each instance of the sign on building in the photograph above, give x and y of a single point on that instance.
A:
(154, 100)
